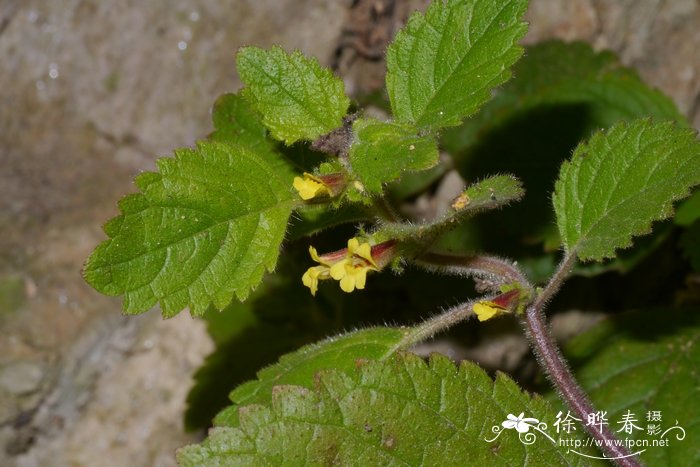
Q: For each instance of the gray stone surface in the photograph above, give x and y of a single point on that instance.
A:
(91, 92)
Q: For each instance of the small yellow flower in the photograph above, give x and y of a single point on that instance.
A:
(352, 271)
(488, 310)
(348, 266)
(313, 275)
(363, 250)
(310, 186)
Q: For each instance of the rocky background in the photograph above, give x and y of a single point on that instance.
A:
(91, 93)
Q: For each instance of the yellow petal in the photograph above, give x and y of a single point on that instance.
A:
(347, 283)
(353, 243)
(308, 187)
(487, 310)
(310, 280)
(314, 254)
(339, 270)
(360, 278)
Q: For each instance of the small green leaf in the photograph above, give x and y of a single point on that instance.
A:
(383, 151)
(205, 228)
(402, 411)
(299, 368)
(443, 65)
(622, 180)
(642, 362)
(299, 100)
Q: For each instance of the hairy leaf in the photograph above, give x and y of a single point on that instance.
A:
(643, 362)
(298, 368)
(299, 100)
(382, 151)
(402, 411)
(443, 65)
(204, 229)
(559, 95)
(622, 180)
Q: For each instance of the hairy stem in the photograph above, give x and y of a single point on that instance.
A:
(432, 326)
(554, 365)
(384, 209)
(474, 265)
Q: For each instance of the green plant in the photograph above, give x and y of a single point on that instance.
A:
(206, 227)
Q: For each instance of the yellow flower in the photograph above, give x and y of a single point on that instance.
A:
(313, 275)
(487, 310)
(352, 271)
(310, 186)
(362, 250)
(348, 266)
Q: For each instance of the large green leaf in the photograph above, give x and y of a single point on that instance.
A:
(299, 100)
(204, 229)
(402, 411)
(382, 151)
(298, 368)
(642, 362)
(443, 65)
(559, 95)
(622, 180)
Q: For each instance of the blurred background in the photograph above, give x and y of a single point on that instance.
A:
(91, 93)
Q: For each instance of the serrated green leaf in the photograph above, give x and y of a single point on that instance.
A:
(403, 411)
(298, 368)
(622, 180)
(204, 229)
(443, 65)
(560, 94)
(299, 100)
(642, 362)
(383, 151)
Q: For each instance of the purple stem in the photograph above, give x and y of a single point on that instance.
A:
(549, 356)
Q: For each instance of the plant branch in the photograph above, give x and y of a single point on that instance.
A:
(432, 326)
(474, 265)
(384, 209)
(556, 281)
(556, 368)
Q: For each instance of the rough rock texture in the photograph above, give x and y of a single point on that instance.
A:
(91, 92)
(660, 38)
